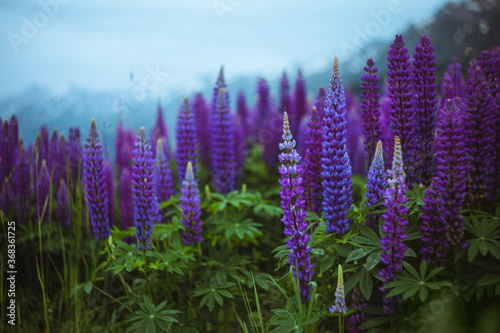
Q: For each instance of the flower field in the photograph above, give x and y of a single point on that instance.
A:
(369, 212)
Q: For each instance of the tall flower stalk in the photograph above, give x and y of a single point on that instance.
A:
(370, 108)
(451, 168)
(402, 111)
(336, 167)
(186, 140)
(339, 306)
(222, 145)
(376, 184)
(393, 228)
(293, 205)
(95, 185)
(425, 105)
(190, 208)
(146, 207)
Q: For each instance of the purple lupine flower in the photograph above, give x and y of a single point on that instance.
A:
(203, 129)
(164, 184)
(451, 168)
(63, 212)
(75, 155)
(293, 205)
(22, 184)
(299, 104)
(220, 83)
(186, 140)
(6, 197)
(301, 134)
(110, 188)
(284, 94)
(370, 108)
(339, 306)
(242, 112)
(146, 207)
(355, 149)
(336, 167)
(312, 162)
(94, 183)
(433, 229)
(359, 316)
(376, 184)
(223, 159)
(190, 208)
(126, 200)
(402, 112)
(43, 194)
(479, 135)
(394, 223)
(160, 131)
(489, 62)
(425, 108)
(453, 84)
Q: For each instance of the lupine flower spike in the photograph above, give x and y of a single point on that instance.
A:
(339, 307)
(376, 185)
(186, 140)
(336, 167)
(293, 205)
(394, 222)
(190, 206)
(63, 212)
(312, 162)
(146, 207)
(95, 184)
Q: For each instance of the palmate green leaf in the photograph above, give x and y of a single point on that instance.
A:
(489, 279)
(366, 283)
(151, 318)
(327, 262)
(373, 259)
(374, 322)
(360, 253)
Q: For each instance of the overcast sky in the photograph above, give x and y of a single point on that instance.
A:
(97, 44)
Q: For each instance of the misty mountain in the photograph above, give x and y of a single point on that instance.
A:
(459, 29)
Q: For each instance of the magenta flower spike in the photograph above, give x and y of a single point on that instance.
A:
(453, 84)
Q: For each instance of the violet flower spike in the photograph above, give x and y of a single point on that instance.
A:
(185, 140)
(43, 194)
(402, 112)
(94, 183)
(433, 237)
(376, 185)
(190, 208)
(394, 222)
(222, 145)
(370, 108)
(126, 199)
(22, 183)
(293, 205)
(336, 167)
(425, 108)
(146, 207)
(451, 179)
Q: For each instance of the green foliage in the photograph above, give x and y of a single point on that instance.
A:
(151, 318)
